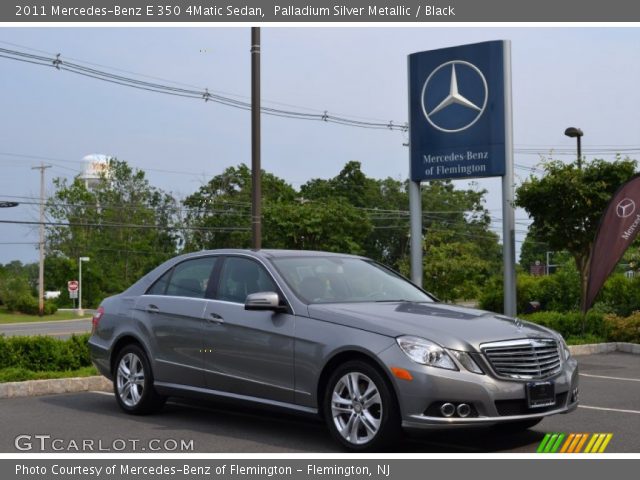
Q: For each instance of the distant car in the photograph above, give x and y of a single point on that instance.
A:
(339, 336)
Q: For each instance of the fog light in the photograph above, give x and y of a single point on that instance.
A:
(574, 395)
(447, 409)
(464, 410)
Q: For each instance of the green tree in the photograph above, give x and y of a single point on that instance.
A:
(454, 267)
(219, 213)
(124, 224)
(567, 202)
(329, 226)
(385, 203)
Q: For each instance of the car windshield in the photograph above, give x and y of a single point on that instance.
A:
(345, 279)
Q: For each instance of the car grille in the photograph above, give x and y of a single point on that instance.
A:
(525, 359)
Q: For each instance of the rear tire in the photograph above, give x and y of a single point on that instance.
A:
(133, 382)
(360, 408)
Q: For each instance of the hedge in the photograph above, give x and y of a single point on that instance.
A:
(45, 353)
(599, 327)
(560, 292)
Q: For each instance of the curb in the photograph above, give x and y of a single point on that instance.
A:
(599, 348)
(33, 388)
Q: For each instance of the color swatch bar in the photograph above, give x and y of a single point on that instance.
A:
(574, 443)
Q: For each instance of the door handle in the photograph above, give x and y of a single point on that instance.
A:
(215, 318)
(153, 309)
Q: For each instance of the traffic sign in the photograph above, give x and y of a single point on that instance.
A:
(72, 285)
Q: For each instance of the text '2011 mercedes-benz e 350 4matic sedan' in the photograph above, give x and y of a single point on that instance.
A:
(339, 336)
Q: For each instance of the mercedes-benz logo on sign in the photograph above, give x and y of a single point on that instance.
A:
(454, 96)
(625, 208)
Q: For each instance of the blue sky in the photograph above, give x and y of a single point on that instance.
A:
(584, 77)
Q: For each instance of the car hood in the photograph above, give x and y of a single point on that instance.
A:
(451, 326)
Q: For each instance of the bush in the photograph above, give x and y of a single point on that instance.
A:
(560, 292)
(620, 295)
(624, 329)
(570, 324)
(17, 297)
(28, 305)
(44, 353)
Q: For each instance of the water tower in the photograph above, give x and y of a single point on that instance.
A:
(94, 166)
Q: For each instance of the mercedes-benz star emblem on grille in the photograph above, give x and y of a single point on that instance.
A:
(474, 80)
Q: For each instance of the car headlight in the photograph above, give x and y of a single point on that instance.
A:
(467, 361)
(424, 352)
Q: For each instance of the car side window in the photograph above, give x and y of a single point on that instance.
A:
(241, 277)
(160, 286)
(190, 278)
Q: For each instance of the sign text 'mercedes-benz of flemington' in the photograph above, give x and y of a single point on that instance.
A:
(457, 112)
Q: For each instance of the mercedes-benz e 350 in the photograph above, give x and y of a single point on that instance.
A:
(339, 336)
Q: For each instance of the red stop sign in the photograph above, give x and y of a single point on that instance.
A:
(72, 285)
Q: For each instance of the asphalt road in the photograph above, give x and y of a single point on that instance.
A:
(610, 403)
(55, 328)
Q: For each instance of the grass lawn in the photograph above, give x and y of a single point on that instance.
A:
(14, 374)
(8, 317)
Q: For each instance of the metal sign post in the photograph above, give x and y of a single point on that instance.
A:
(460, 117)
(508, 211)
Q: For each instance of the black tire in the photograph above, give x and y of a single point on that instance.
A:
(519, 426)
(140, 398)
(385, 414)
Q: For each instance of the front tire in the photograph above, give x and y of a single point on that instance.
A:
(133, 382)
(360, 408)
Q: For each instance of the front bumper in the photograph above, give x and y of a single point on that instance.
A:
(494, 400)
(425, 422)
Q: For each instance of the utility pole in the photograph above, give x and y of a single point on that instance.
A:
(256, 186)
(42, 168)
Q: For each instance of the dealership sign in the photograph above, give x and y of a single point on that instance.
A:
(458, 114)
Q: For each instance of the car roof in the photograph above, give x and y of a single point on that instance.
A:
(275, 253)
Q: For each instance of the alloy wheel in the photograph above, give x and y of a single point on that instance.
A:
(356, 408)
(130, 379)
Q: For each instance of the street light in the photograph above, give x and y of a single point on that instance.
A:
(81, 259)
(574, 132)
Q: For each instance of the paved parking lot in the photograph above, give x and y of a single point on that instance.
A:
(610, 403)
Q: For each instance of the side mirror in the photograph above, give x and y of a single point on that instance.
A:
(264, 301)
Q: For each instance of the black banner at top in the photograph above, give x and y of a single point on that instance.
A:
(265, 11)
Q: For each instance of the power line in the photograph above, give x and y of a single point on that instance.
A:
(208, 96)
(124, 225)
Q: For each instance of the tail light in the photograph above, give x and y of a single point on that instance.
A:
(95, 321)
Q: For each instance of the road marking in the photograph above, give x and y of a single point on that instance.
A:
(609, 409)
(102, 393)
(610, 378)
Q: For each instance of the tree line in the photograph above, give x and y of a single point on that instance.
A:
(128, 226)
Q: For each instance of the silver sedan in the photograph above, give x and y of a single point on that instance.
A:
(339, 336)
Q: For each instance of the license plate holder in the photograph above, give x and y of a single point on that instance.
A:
(540, 394)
